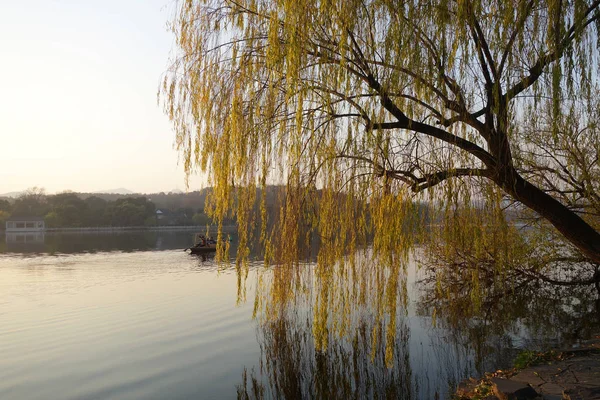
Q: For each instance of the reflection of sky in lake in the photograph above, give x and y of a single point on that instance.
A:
(135, 325)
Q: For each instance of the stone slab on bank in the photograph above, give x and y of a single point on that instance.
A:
(574, 378)
(577, 377)
(508, 389)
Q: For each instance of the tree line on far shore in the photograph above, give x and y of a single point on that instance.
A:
(79, 210)
(73, 210)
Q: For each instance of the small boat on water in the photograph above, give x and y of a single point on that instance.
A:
(203, 245)
(209, 247)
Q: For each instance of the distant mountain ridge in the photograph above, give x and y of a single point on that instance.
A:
(115, 191)
(11, 194)
(123, 191)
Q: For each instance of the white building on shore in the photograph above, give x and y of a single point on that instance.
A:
(25, 224)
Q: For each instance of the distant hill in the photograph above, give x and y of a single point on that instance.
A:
(12, 195)
(115, 191)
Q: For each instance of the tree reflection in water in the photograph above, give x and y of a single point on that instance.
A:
(364, 359)
(367, 340)
(520, 313)
(291, 368)
(332, 331)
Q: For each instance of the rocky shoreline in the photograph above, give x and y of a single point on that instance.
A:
(569, 374)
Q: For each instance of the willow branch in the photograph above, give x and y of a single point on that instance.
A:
(538, 68)
(438, 177)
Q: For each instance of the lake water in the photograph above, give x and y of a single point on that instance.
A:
(131, 316)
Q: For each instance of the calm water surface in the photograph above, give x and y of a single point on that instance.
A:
(125, 326)
(132, 316)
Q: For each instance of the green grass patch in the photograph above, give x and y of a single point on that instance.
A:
(530, 358)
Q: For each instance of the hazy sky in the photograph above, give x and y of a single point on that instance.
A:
(78, 107)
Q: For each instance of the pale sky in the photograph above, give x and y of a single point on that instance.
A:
(78, 107)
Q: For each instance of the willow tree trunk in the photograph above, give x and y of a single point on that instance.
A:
(571, 225)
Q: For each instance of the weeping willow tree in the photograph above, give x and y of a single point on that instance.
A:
(361, 109)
